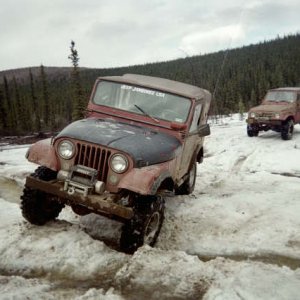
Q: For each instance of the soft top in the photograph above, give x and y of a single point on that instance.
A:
(171, 86)
(291, 89)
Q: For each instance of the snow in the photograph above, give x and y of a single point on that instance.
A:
(236, 237)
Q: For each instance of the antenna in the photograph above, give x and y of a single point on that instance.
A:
(216, 111)
(190, 62)
(220, 72)
(223, 64)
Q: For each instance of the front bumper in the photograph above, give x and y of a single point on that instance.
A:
(264, 120)
(102, 204)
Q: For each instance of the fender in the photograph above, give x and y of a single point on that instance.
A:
(147, 180)
(287, 117)
(43, 153)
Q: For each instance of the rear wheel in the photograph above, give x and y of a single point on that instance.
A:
(144, 227)
(38, 207)
(287, 130)
(188, 185)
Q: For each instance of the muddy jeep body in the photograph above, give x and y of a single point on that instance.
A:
(279, 111)
(143, 136)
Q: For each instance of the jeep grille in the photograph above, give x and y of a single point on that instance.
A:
(266, 114)
(94, 157)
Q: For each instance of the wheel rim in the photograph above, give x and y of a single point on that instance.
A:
(151, 228)
(192, 175)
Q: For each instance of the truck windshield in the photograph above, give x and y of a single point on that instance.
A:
(280, 96)
(153, 103)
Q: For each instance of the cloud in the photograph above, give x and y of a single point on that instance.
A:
(126, 32)
(213, 40)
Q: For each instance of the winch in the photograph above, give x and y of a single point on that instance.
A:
(82, 180)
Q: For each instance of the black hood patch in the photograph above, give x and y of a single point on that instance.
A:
(145, 146)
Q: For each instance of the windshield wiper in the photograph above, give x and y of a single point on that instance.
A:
(146, 114)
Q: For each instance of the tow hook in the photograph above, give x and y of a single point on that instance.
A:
(71, 190)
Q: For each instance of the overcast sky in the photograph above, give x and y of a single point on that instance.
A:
(125, 32)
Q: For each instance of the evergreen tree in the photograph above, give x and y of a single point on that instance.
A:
(35, 107)
(3, 114)
(241, 108)
(11, 113)
(253, 99)
(21, 109)
(79, 103)
(45, 97)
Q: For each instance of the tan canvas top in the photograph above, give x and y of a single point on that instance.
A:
(167, 85)
(291, 89)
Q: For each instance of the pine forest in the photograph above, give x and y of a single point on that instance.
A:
(45, 99)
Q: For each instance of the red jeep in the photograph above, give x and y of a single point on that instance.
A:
(143, 136)
(279, 111)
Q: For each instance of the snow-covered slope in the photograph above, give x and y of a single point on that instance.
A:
(236, 237)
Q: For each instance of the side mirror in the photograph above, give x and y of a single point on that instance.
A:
(204, 130)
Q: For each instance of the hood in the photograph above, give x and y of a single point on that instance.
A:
(145, 146)
(274, 108)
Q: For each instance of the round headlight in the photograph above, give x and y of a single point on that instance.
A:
(66, 149)
(277, 116)
(252, 115)
(119, 163)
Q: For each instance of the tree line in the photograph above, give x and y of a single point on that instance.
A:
(237, 78)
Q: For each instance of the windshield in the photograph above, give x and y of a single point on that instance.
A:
(279, 96)
(144, 101)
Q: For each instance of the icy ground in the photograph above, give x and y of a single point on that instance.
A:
(236, 237)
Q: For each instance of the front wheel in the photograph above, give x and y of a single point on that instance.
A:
(287, 130)
(38, 207)
(252, 131)
(144, 227)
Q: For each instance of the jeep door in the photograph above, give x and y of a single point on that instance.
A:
(192, 142)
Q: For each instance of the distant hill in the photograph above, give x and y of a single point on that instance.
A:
(22, 74)
(237, 78)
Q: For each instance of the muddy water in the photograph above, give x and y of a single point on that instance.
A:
(10, 190)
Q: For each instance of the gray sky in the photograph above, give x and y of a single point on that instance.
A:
(126, 32)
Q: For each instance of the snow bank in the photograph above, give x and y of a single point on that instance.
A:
(157, 274)
(237, 236)
(244, 202)
(58, 249)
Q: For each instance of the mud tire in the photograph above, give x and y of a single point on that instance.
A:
(38, 207)
(287, 130)
(189, 184)
(145, 225)
(251, 132)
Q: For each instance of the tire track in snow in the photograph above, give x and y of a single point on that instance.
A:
(20, 287)
(286, 174)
